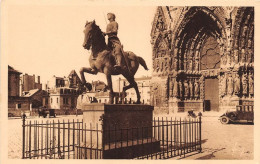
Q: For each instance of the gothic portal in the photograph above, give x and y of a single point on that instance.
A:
(203, 58)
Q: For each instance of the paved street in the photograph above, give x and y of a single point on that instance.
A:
(233, 141)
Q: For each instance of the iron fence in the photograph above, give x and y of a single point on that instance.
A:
(160, 139)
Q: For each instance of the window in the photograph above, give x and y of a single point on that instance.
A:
(19, 106)
(51, 100)
(57, 100)
(46, 100)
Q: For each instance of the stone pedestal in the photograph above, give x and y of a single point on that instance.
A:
(124, 128)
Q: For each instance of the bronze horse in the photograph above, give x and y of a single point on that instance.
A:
(102, 60)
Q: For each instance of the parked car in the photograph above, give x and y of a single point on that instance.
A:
(242, 113)
(44, 112)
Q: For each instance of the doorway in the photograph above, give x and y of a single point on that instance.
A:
(211, 94)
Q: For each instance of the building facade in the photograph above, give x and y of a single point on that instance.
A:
(13, 82)
(203, 58)
(28, 83)
(62, 92)
(17, 102)
(144, 86)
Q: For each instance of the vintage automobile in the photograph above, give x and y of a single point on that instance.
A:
(242, 113)
(44, 112)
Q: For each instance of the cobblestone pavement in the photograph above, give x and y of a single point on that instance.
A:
(233, 141)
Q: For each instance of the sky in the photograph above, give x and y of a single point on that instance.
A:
(46, 40)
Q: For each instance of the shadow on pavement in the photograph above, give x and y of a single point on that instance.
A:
(211, 155)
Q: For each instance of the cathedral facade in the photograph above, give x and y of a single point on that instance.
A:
(203, 58)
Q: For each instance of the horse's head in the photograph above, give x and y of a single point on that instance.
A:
(93, 35)
(88, 32)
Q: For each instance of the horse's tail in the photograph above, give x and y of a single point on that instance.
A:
(143, 63)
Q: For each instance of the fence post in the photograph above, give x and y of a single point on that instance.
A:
(23, 135)
(200, 114)
(102, 119)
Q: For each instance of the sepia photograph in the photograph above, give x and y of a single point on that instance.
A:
(145, 82)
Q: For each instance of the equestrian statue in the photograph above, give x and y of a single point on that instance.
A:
(110, 59)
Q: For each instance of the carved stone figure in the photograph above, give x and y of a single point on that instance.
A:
(250, 55)
(175, 88)
(191, 89)
(171, 83)
(237, 82)
(245, 84)
(230, 84)
(235, 56)
(160, 24)
(224, 59)
(223, 84)
(196, 89)
(186, 89)
(190, 65)
(180, 89)
(196, 68)
(251, 84)
(243, 56)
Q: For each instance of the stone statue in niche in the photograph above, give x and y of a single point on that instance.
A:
(243, 56)
(162, 65)
(157, 65)
(160, 24)
(251, 84)
(224, 59)
(170, 87)
(237, 82)
(244, 31)
(190, 64)
(230, 85)
(186, 89)
(191, 88)
(249, 43)
(176, 63)
(168, 36)
(223, 83)
(227, 54)
(196, 67)
(175, 88)
(250, 54)
(197, 54)
(180, 89)
(167, 64)
(245, 84)
(177, 42)
(235, 56)
(196, 89)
